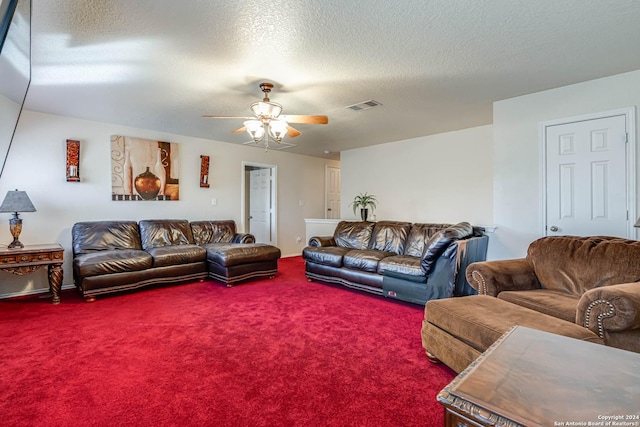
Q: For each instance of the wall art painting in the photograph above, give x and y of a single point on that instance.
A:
(143, 169)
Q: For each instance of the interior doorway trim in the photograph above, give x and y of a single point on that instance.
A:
(630, 118)
(274, 197)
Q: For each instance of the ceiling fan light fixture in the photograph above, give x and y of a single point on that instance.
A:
(266, 109)
(255, 129)
(278, 129)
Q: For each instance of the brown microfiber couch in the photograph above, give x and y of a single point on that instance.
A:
(583, 287)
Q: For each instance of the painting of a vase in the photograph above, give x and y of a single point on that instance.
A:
(144, 169)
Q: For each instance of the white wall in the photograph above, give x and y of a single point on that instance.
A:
(36, 164)
(516, 191)
(440, 178)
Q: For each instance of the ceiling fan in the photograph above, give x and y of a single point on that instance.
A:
(268, 123)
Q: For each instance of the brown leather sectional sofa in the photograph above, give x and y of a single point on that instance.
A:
(111, 256)
(410, 262)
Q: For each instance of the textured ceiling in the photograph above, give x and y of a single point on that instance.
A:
(435, 65)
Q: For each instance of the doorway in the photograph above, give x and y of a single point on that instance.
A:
(589, 175)
(331, 192)
(259, 207)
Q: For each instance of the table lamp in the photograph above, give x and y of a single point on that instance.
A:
(16, 201)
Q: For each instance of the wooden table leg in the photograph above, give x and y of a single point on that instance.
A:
(55, 282)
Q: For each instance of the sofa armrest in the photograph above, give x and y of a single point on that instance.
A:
(493, 277)
(243, 238)
(320, 241)
(610, 308)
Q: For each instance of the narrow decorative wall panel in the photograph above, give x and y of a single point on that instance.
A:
(73, 160)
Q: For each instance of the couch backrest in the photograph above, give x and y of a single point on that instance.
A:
(164, 232)
(93, 236)
(419, 235)
(441, 240)
(577, 264)
(213, 231)
(389, 236)
(353, 234)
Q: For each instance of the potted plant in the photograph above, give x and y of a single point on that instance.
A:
(364, 201)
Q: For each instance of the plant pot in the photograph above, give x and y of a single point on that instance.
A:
(364, 213)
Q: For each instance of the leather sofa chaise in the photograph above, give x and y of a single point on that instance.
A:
(401, 260)
(586, 288)
(112, 256)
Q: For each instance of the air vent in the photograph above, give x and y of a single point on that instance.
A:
(364, 105)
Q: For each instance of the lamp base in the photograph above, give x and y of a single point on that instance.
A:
(15, 226)
(15, 244)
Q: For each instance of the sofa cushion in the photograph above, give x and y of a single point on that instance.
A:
(577, 264)
(402, 266)
(364, 260)
(389, 236)
(325, 255)
(213, 231)
(164, 232)
(353, 234)
(479, 320)
(558, 304)
(419, 235)
(94, 236)
(441, 241)
(230, 254)
(111, 261)
(177, 254)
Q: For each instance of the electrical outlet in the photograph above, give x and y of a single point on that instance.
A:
(214, 202)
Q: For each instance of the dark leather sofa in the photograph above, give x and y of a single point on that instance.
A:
(111, 256)
(410, 262)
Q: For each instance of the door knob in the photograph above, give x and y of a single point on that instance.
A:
(553, 228)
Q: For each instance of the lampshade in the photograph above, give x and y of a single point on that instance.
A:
(255, 129)
(17, 201)
(268, 109)
(277, 129)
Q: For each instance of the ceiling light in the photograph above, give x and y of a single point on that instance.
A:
(265, 129)
(277, 129)
(255, 129)
(266, 110)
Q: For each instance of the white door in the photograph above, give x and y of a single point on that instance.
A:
(332, 192)
(259, 205)
(586, 177)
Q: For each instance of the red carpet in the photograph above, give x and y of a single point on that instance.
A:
(281, 352)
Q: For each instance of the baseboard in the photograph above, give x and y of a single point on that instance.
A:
(291, 255)
(32, 292)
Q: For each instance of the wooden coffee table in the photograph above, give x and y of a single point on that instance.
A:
(534, 378)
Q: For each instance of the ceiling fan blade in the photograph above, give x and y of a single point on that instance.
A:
(226, 117)
(292, 133)
(242, 129)
(314, 120)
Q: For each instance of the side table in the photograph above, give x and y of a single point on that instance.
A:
(21, 261)
(534, 378)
